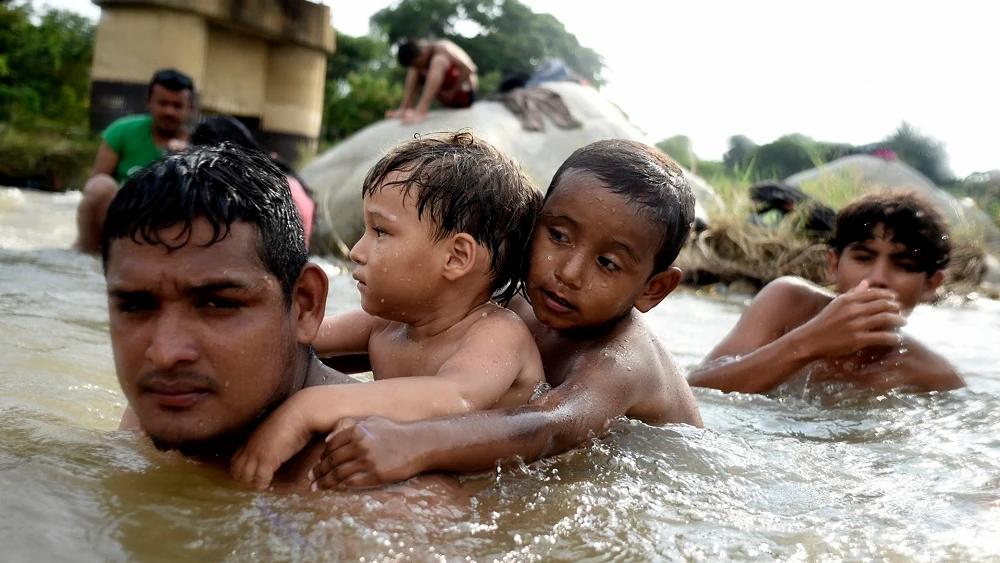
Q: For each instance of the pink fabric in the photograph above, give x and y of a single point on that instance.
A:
(307, 207)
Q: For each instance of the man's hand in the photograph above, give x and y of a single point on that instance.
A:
(367, 453)
(175, 145)
(275, 441)
(857, 319)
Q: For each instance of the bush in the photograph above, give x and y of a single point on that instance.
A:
(45, 160)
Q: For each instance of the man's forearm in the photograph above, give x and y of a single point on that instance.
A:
(758, 371)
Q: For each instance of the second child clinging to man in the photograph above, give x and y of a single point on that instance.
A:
(447, 220)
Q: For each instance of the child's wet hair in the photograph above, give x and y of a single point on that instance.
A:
(910, 219)
(222, 184)
(465, 185)
(648, 179)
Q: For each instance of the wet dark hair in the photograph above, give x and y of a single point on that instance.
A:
(912, 220)
(217, 129)
(648, 179)
(172, 80)
(465, 185)
(407, 52)
(223, 184)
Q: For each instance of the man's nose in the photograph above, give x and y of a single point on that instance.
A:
(570, 271)
(173, 341)
(878, 276)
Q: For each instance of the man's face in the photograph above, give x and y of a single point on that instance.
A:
(168, 108)
(202, 338)
(885, 264)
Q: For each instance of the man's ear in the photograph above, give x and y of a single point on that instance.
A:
(309, 302)
(461, 254)
(832, 265)
(657, 288)
(930, 286)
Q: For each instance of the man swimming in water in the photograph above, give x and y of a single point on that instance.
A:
(446, 72)
(213, 304)
(887, 255)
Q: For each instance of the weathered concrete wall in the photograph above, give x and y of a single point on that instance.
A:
(237, 66)
(134, 41)
(263, 61)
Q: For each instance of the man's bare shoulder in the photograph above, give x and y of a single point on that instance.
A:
(927, 370)
(790, 298)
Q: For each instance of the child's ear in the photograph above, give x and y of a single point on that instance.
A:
(832, 264)
(930, 287)
(657, 288)
(309, 302)
(461, 256)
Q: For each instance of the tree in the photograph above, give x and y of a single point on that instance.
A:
(679, 149)
(926, 154)
(508, 36)
(740, 153)
(44, 66)
(362, 81)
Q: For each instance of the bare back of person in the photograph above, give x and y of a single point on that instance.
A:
(395, 350)
(663, 396)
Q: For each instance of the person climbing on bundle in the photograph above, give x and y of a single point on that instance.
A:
(446, 73)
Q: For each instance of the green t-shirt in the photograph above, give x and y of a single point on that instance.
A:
(132, 138)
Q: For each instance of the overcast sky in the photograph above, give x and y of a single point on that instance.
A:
(847, 71)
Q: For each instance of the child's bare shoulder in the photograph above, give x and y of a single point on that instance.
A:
(630, 347)
(638, 359)
(493, 320)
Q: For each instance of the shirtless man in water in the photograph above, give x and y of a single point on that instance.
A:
(213, 304)
(446, 72)
(887, 256)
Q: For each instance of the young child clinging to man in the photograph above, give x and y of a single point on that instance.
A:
(447, 219)
(614, 219)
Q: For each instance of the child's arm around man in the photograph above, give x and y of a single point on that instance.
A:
(442, 240)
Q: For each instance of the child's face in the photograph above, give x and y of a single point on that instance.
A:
(885, 264)
(591, 255)
(395, 256)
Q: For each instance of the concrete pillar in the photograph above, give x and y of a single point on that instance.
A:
(262, 61)
(293, 106)
(236, 67)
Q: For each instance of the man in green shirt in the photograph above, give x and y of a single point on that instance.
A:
(130, 143)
